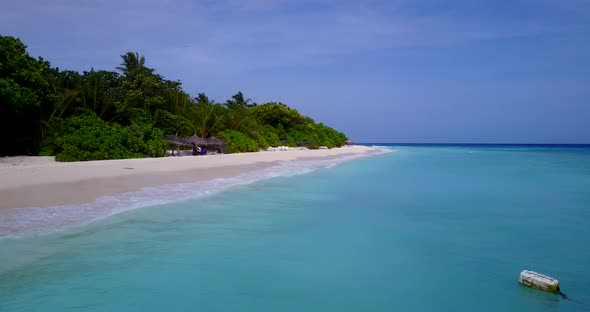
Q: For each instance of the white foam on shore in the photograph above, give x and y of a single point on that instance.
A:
(19, 222)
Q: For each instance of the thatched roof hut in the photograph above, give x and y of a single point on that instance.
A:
(193, 140)
(304, 143)
(216, 144)
(211, 144)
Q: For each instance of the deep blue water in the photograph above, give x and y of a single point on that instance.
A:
(427, 228)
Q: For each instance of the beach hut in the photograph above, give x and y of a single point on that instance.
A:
(304, 143)
(210, 144)
(216, 144)
(194, 140)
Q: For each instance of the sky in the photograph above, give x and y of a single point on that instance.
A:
(381, 71)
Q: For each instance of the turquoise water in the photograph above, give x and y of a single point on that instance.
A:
(421, 229)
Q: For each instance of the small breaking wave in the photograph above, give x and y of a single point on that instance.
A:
(384, 148)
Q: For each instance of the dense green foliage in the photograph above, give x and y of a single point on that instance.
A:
(277, 113)
(99, 114)
(238, 142)
(171, 124)
(87, 137)
(271, 136)
(23, 89)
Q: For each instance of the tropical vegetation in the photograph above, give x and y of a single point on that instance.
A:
(101, 114)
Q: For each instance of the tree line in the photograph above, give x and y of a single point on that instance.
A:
(101, 114)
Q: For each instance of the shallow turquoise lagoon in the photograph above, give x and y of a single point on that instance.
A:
(420, 229)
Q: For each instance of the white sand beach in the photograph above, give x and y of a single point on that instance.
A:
(42, 182)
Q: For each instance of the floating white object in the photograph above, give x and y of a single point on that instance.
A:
(539, 281)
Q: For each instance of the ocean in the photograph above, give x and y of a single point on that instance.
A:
(424, 228)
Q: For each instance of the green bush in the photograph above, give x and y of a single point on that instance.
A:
(303, 133)
(317, 134)
(275, 114)
(330, 137)
(171, 124)
(270, 136)
(87, 137)
(262, 143)
(238, 142)
(150, 140)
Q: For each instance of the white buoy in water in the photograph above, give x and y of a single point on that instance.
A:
(539, 281)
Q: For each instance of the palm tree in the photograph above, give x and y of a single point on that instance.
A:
(175, 101)
(208, 116)
(237, 101)
(100, 91)
(134, 64)
(51, 120)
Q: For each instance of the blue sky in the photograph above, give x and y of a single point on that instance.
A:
(381, 71)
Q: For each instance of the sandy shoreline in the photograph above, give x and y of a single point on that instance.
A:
(41, 182)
